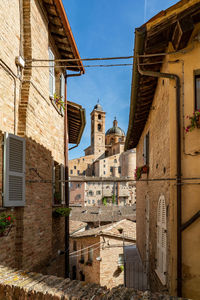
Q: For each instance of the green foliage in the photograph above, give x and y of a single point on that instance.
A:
(194, 121)
(62, 211)
(5, 221)
(121, 268)
(58, 100)
(104, 201)
(113, 199)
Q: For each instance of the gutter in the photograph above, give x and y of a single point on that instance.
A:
(178, 167)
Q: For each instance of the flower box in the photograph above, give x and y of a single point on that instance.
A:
(6, 222)
(194, 121)
(141, 170)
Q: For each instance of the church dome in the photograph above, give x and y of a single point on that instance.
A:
(115, 129)
(98, 107)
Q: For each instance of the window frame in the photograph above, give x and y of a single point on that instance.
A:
(196, 105)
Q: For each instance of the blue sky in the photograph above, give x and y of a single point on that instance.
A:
(105, 28)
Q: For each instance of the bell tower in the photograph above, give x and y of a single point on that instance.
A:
(98, 130)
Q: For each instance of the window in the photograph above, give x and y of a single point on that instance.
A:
(74, 167)
(71, 171)
(78, 172)
(197, 92)
(58, 183)
(78, 197)
(74, 246)
(51, 74)
(88, 201)
(99, 127)
(119, 170)
(121, 259)
(83, 159)
(161, 267)
(99, 116)
(78, 185)
(111, 169)
(146, 149)
(90, 255)
(115, 160)
(83, 172)
(98, 192)
(93, 201)
(78, 161)
(104, 172)
(14, 170)
(90, 193)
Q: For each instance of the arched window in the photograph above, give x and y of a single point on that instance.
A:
(161, 267)
(99, 116)
(99, 127)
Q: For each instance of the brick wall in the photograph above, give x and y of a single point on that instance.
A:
(35, 239)
(159, 167)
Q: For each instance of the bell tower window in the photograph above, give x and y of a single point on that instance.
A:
(99, 127)
(99, 116)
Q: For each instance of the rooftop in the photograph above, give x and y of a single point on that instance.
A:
(122, 229)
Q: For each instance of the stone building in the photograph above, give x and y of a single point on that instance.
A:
(164, 92)
(96, 255)
(34, 132)
(104, 158)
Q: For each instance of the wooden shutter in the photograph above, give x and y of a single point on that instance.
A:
(14, 170)
(51, 74)
(146, 149)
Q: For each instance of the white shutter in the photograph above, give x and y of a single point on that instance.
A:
(51, 74)
(161, 239)
(62, 91)
(62, 177)
(14, 170)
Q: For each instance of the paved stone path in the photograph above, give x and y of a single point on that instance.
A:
(21, 285)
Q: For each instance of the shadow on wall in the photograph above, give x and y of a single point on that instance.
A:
(36, 237)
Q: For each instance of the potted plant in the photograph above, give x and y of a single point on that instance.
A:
(194, 121)
(61, 212)
(121, 268)
(141, 170)
(6, 223)
(58, 101)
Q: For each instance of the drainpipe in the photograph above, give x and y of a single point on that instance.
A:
(66, 140)
(178, 167)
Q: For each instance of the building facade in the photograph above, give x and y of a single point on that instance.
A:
(97, 254)
(104, 158)
(33, 132)
(164, 103)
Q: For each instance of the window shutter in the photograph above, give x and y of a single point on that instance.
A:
(161, 239)
(14, 170)
(144, 150)
(51, 74)
(62, 91)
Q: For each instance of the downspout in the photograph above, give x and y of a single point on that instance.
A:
(66, 140)
(178, 167)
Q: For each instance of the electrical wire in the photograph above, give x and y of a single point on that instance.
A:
(85, 66)
(86, 248)
(83, 252)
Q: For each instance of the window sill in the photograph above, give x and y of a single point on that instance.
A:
(161, 277)
(61, 113)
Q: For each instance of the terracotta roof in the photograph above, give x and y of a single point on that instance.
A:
(94, 214)
(173, 25)
(123, 229)
(75, 226)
